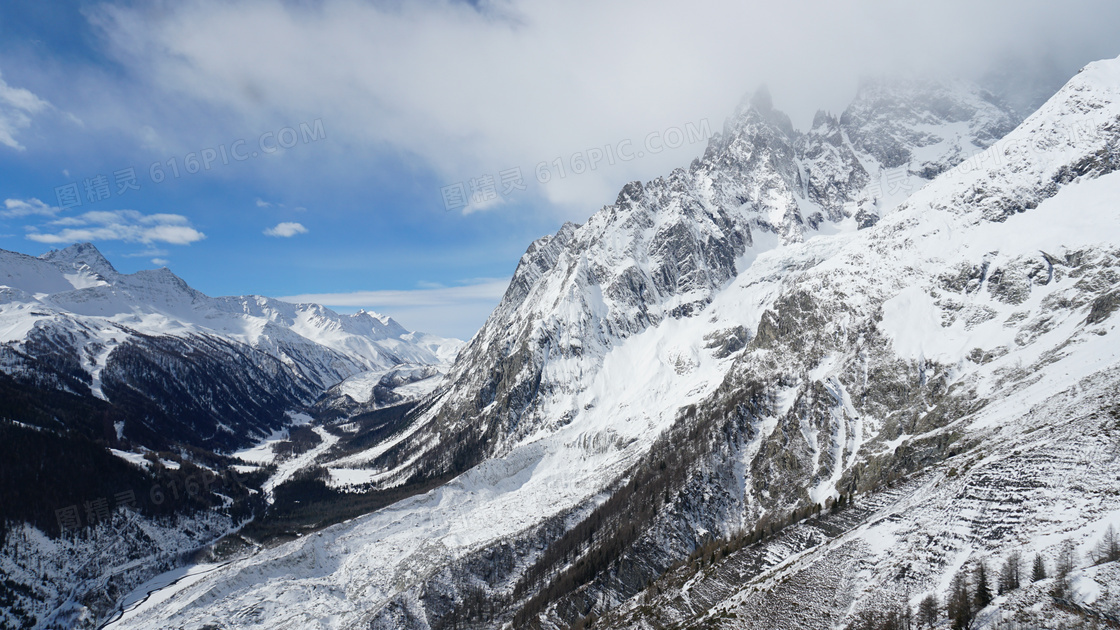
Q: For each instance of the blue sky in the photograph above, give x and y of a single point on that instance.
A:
(357, 121)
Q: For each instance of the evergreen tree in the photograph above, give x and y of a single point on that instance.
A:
(1009, 577)
(959, 604)
(1067, 560)
(983, 587)
(928, 611)
(1108, 550)
(1039, 571)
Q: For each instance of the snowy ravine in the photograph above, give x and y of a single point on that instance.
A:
(963, 340)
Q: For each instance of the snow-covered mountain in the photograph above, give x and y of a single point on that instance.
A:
(810, 377)
(239, 362)
(666, 248)
(666, 392)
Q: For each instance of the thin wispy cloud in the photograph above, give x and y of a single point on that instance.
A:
(17, 105)
(16, 208)
(456, 311)
(147, 252)
(286, 229)
(485, 289)
(118, 225)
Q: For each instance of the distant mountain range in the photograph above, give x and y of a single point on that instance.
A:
(209, 372)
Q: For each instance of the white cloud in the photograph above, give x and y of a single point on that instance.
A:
(120, 225)
(486, 204)
(455, 311)
(485, 289)
(27, 207)
(261, 203)
(473, 90)
(162, 262)
(148, 252)
(287, 229)
(16, 107)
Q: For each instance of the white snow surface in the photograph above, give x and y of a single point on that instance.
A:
(418, 381)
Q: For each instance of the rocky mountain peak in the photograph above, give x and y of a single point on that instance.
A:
(80, 254)
(926, 125)
(761, 100)
(754, 114)
(382, 326)
(825, 121)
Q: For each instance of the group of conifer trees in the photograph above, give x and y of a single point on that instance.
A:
(972, 588)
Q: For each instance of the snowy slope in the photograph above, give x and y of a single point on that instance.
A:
(64, 577)
(821, 357)
(1027, 485)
